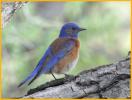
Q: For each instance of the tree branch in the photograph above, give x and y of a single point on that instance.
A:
(9, 9)
(106, 81)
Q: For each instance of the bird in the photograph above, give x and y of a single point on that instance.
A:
(61, 56)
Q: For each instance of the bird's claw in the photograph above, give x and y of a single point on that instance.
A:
(69, 77)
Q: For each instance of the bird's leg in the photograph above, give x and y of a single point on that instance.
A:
(53, 75)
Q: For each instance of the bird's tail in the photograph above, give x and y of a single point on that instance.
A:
(30, 77)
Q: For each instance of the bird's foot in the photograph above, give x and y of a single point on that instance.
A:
(69, 77)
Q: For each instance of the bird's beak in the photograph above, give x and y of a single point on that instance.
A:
(82, 29)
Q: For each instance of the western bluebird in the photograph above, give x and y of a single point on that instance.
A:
(61, 55)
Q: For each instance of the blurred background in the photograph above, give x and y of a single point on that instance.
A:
(36, 25)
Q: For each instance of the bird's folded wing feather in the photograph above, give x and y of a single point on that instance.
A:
(58, 49)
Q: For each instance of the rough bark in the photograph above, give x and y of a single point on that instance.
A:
(106, 81)
(9, 9)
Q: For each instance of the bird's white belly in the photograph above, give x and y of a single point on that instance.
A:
(71, 65)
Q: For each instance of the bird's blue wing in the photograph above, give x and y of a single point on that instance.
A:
(67, 46)
(53, 59)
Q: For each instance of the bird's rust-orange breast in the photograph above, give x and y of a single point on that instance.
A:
(66, 63)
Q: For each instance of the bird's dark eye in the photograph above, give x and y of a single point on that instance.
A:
(73, 28)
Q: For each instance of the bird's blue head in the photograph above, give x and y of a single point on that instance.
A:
(70, 30)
